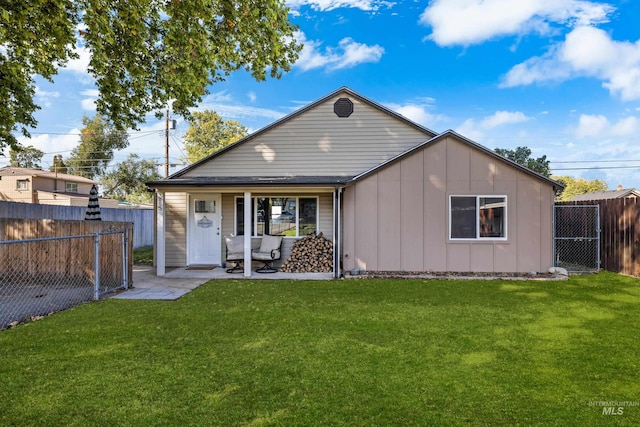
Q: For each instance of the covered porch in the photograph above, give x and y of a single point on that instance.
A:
(192, 222)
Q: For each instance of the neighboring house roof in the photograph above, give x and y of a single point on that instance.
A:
(14, 171)
(620, 193)
(184, 178)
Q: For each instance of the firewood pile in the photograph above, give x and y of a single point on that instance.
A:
(311, 254)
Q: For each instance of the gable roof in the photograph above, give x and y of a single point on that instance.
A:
(278, 123)
(447, 133)
(606, 195)
(179, 177)
(14, 171)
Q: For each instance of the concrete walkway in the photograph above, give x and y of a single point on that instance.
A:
(180, 281)
(146, 285)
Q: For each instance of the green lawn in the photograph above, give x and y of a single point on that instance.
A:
(350, 352)
(143, 255)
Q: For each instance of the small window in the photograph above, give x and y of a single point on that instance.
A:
(205, 206)
(478, 217)
(71, 187)
(22, 184)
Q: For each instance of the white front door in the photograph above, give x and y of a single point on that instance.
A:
(204, 229)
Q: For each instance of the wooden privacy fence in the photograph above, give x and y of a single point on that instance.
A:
(620, 234)
(142, 219)
(69, 257)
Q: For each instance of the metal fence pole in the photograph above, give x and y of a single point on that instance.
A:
(96, 258)
(125, 259)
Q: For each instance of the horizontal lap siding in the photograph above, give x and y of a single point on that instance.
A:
(385, 237)
(176, 229)
(318, 143)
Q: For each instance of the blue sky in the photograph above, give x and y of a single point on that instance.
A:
(561, 77)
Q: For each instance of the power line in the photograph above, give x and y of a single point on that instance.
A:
(593, 161)
(597, 168)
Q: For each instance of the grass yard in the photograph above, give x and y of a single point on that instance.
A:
(143, 255)
(350, 352)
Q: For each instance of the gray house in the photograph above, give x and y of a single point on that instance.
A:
(390, 194)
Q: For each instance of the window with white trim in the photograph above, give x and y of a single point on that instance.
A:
(22, 184)
(478, 217)
(279, 216)
(71, 187)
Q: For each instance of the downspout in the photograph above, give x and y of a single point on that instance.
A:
(337, 235)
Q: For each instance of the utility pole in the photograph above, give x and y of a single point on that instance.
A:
(166, 146)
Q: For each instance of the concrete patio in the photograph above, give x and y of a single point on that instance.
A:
(180, 281)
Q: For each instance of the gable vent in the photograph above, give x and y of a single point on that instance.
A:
(343, 107)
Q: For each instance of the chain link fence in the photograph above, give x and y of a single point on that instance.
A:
(42, 276)
(577, 238)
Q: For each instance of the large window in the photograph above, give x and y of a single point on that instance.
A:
(478, 217)
(279, 216)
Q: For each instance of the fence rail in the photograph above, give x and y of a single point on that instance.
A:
(142, 219)
(44, 275)
(620, 235)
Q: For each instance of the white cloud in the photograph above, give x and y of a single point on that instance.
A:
(599, 126)
(328, 5)
(89, 103)
(228, 109)
(348, 54)
(590, 52)
(475, 130)
(502, 118)
(417, 110)
(45, 97)
(80, 65)
(470, 130)
(467, 22)
(52, 144)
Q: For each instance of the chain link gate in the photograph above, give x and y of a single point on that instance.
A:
(46, 275)
(577, 238)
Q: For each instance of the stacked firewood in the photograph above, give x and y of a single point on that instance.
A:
(311, 254)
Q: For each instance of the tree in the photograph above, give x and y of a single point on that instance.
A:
(98, 140)
(576, 186)
(36, 38)
(127, 181)
(522, 155)
(208, 133)
(144, 53)
(58, 164)
(26, 157)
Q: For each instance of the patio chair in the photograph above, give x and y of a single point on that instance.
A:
(235, 253)
(268, 252)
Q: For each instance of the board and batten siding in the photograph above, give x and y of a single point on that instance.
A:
(397, 219)
(318, 143)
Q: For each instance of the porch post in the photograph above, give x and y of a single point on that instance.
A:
(336, 232)
(160, 237)
(248, 231)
